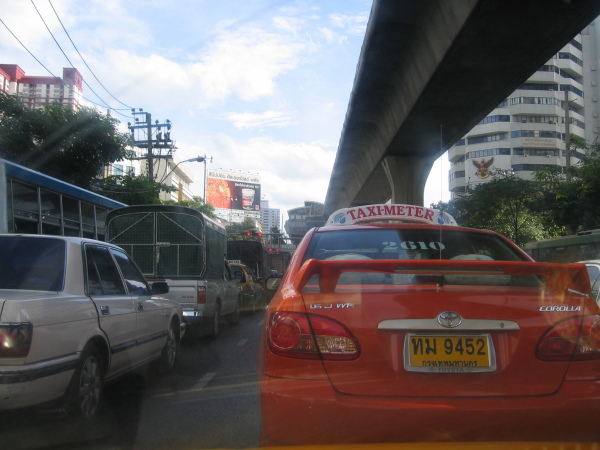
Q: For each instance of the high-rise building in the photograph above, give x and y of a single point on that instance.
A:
(269, 217)
(37, 91)
(528, 130)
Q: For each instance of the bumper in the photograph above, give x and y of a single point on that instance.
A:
(193, 318)
(34, 384)
(299, 412)
(194, 323)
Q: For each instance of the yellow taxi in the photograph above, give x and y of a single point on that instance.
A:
(252, 291)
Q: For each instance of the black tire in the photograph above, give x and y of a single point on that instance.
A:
(216, 325)
(170, 352)
(234, 317)
(86, 393)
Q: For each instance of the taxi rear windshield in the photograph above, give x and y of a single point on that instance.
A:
(32, 263)
(410, 244)
(417, 244)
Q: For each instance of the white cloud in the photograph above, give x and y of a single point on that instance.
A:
(245, 64)
(355, 24)
(290, 172)
(245, 121)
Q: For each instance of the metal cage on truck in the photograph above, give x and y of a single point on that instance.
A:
(169, 241)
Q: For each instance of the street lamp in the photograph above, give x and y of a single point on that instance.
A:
(196, 159)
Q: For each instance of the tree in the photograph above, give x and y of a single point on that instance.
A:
(237, 231)
(573, 204)
(71, 145)
(277, 238)
(506, 204)
(195, 203)
(131, 190)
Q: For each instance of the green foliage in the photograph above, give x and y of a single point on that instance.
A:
(237, 231)
(556, 203)
(573, 201)
(506, 204)
(70, 145)
(131, 190)
(196, 203)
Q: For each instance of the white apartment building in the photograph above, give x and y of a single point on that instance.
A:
(269, 217)
(36, 91)
(526, 132)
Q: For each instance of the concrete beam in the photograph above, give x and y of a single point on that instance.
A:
(429, 70)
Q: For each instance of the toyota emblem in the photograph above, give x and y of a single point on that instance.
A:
(449, 319)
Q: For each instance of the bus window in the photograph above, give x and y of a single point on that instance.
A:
(71, 216)
(87, 220)
(25, 208)
(50, 206)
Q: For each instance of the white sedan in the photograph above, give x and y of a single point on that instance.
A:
(74, 314)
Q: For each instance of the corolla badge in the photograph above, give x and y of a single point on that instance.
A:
(449, 319)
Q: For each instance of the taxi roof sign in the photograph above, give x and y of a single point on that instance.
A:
(388, 212)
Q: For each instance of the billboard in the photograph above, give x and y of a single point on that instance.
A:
(233, 194)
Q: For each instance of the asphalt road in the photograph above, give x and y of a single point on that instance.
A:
(209, 401)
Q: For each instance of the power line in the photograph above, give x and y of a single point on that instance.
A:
(86, 64)
(26, 49)
(50, 72)
(65, 55)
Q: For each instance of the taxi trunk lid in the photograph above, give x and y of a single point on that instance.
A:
(446, 333)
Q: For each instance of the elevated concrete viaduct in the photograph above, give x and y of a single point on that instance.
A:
(429, 70)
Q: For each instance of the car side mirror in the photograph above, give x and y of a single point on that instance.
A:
(272, 283)
(159, 287)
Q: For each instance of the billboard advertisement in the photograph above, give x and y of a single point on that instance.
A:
(233, 194)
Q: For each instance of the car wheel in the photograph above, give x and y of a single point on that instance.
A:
(234, 318)
(168, 357)
(87, 389)
(216, 320)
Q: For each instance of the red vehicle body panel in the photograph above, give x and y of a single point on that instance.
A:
(376, 397)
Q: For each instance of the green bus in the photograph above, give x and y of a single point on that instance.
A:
(581, 247)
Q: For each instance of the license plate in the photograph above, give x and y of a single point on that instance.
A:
(449, 353)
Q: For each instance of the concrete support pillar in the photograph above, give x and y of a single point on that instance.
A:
(407, 177)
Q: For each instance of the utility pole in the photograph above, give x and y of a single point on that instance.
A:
(160, 141)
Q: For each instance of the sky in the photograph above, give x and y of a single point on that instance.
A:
(259, 86)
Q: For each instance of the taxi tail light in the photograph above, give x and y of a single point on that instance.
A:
(297, 335)
(246, 288)
(576, 338)
(201, 295)
(15, 339)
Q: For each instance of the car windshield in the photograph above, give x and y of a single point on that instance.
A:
(415, 244)
(405, 243)
(32, 264)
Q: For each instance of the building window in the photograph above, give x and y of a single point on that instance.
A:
(487, 138)
(536, 101)
(538, 87)
(535, 133)
(493, 119)
(575, 59)
(457, 174)
(522, 151)
(530, 167)
(488, 152)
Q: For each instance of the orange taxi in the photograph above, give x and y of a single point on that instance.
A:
(393, 324)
